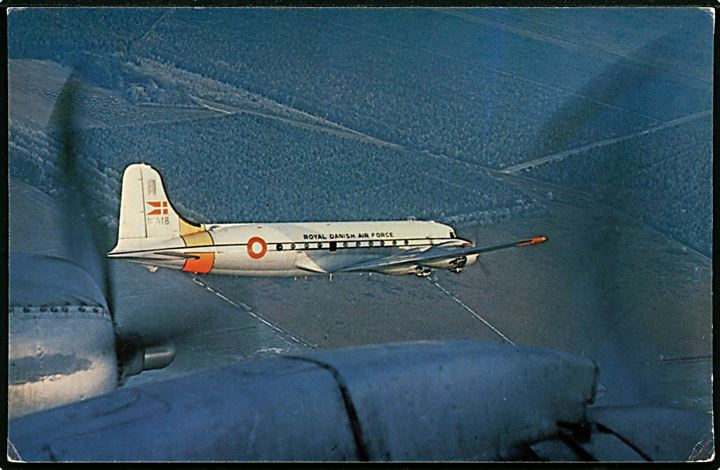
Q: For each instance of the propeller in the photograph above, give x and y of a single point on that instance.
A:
(83, 235)
(80, 230)
(474, 235)
(626, 76)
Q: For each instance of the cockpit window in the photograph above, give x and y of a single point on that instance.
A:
(452, 234)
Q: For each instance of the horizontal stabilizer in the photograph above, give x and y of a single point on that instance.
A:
(165, 255)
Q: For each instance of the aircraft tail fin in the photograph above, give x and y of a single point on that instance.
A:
(145, 210)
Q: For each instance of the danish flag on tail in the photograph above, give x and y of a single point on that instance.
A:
(161, 208)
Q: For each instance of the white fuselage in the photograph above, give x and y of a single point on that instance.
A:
(291, 249)
(152, 233)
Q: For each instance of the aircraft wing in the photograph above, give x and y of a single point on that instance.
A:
(435, 253)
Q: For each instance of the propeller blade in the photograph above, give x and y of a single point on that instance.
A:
(81, 233)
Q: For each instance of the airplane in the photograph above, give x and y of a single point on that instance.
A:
(153, 234)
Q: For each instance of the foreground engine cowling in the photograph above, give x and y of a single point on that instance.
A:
(61, 339)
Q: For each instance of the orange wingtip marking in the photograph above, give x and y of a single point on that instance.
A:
(533, 241)
(203, 264)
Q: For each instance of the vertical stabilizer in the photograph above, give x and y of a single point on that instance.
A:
(145, 211)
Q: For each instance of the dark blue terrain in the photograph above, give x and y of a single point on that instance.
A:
(310, 114)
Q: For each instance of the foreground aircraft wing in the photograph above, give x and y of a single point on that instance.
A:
(435, 253)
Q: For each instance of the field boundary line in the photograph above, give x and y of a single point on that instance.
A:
(568, 153)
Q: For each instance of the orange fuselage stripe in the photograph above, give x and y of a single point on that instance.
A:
(205, 261)
(203, 264)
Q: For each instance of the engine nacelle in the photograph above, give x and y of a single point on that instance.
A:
(453, 263)
(442, 263)
(61, 337)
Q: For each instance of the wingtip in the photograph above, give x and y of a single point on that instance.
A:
(534, 241)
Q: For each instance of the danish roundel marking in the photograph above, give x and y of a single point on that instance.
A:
(256, 247)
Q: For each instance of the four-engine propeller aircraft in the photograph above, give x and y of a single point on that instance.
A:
(153, 234)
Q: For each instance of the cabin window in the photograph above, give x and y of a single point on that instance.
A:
(407, 242)
(320, 245)
(371, 243)
(292, 246)
(333, 246)
(307, 246)
(345, 244)
(394, 242)
(382, 242)
(279, 247)
(358, 244)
